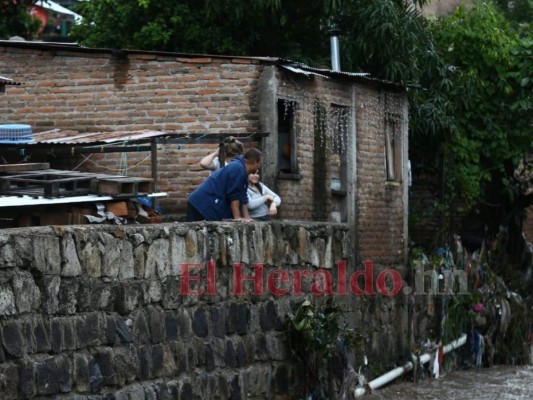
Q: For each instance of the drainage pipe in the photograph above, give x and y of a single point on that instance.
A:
(408, 366)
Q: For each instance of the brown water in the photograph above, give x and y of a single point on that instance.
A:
(496, 383)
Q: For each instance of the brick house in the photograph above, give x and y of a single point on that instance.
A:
(336, 148)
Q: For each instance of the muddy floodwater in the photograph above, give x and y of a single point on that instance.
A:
(496, 383)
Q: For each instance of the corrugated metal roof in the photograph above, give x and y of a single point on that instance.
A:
(9, 81)
(57, 136)
(302, 68)
(306, 69)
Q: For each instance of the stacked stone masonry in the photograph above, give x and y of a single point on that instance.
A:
(99, 312)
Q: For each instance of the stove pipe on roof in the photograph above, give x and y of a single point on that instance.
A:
(334, 43)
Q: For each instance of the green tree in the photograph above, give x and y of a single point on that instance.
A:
(519, 11)
(15, 19)
(476, 118)
(380, 37)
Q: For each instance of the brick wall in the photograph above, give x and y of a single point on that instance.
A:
(381, 230)
(95, 91)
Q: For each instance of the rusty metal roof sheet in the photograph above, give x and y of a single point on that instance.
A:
(57, 136)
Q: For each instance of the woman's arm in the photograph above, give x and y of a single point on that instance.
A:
(275, 198)
(208, 161)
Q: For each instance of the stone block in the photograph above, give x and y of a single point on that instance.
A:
(68, 292)
(90, 255)
(26, 379)
(158, 359)
(186, 391)
(12, 339)
(56, 335)
(9, 381)
(257, 381)
(229, 355)
(141, 329)
(156, 324)
(171, 327)
(180, 356)
(209, 357)
(169, 364)
(89, 330)
(276, 345)
(63, 373)
(41, 333)
(96, 378)
(69, 334)
(249, 344)
(241, 357)
(127, 364)
(153, 291)
(46, 381)
(145, 362)
(158, 260)
(192, 358)
(128, 297)
(7, 300)
(51, 285)
(218, 320)
(123, 331)
(237, 318)
(170, 294)
(105, 358)
(81, 371)
(235, 388)
(200, 325)
(102, 296)
(70, 263)
(26, 292)
(268, 317)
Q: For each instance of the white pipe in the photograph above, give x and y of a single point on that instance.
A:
(408, 366)
(335, 53)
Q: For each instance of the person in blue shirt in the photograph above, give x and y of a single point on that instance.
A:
(223, 194)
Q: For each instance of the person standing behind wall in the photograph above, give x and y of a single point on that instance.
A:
(232, 149)
(223, 194)
(263, 203)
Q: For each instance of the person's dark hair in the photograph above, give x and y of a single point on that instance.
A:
(253, 155)
(233, 147)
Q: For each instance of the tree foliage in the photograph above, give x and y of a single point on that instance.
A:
(477, 111)
(385, 38)
(15, 19)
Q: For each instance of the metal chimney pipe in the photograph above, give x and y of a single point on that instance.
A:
(335, 55)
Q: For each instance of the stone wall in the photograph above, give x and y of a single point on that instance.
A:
(94, 312)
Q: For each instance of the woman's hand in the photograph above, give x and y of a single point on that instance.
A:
(268, 198)
(273, 209)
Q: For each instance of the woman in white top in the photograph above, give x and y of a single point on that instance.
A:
(232, 148)
(263, 203)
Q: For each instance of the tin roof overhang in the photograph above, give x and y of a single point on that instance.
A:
(8, 81)
(58, 141)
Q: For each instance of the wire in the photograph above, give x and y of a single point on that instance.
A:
(120, 169)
